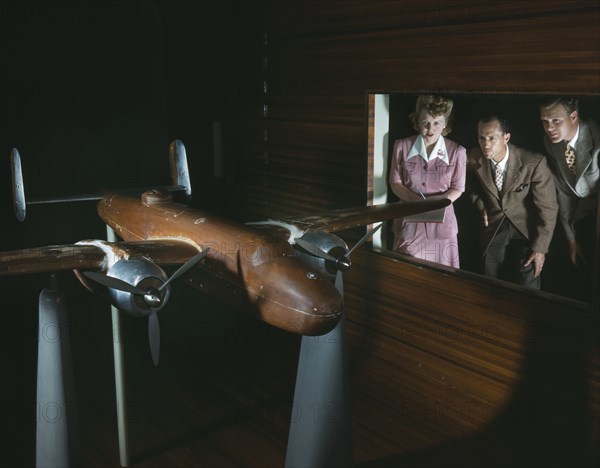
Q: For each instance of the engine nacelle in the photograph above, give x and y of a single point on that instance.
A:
(329, 243)
(144, 275)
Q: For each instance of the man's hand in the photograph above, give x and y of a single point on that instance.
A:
(538, 262)
(484, 217)
(575, 253)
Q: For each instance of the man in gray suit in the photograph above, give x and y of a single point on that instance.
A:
(573, 146)
(514, 191)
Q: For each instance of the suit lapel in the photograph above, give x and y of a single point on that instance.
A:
(484, 173)
(513, 170)
(583, 151)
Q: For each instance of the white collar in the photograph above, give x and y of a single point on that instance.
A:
(439, 150)
(573, 140)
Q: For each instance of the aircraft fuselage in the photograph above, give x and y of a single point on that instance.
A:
(244, 267)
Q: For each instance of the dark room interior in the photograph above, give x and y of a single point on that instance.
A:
(445, 367)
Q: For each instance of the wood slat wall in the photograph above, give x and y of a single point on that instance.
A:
(445, 369)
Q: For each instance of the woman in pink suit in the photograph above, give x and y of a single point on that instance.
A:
(428, 165)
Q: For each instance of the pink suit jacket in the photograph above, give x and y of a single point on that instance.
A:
(431, 178)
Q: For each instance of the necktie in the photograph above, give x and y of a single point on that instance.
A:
(570, 158)
(499, 177)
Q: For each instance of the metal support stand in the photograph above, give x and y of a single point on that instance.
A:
(320, 430)
(57, 435)
(119, 375)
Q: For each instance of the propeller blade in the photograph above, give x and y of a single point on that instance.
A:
(316, 251)
(339, 283)
(365, 238)
(154, 337)
(185, 267)
(113, 283)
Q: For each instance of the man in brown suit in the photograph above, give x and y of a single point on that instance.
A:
(514, 191)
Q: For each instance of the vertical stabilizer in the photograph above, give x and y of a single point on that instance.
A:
(180, 174)
(18, 187)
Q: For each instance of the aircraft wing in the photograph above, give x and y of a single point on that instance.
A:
(93, 255)
(339, 220)
(97, 255)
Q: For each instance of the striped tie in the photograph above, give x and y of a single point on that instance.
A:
(570, 158)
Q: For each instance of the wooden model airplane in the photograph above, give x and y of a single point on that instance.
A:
(280, 271)
(256, 266)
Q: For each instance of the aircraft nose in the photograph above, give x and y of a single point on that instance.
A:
(296, 297)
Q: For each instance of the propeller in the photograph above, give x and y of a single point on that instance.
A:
(153, 297)
(185, 267)
(364, 239)
(341, 262)
(154, 337)
(315, 250)
(114, 283)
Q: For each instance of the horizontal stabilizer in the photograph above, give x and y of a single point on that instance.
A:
(180, 182)
(100, 195)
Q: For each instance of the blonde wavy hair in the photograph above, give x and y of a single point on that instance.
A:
(435, 106)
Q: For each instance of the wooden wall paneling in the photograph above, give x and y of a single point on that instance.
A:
(455, 56)
(299, 172)
(444, 369)
(303, 18)
(488, 365)
(305, 152)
